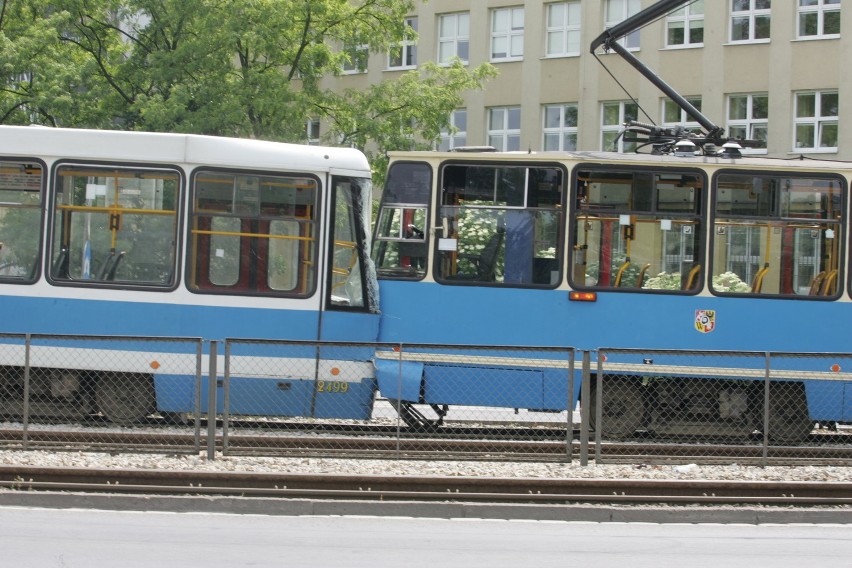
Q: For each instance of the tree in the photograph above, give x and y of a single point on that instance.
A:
(227, 67)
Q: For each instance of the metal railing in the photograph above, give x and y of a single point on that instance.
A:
(296, 398)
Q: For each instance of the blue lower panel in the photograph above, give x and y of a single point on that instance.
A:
(482, 386)
(399, 380)
(271, 397)
(826, 400)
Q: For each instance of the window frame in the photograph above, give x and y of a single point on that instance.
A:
(315, 223)
(607, 128)
(562, 130)
(451, 137)
(509, 35)
(455, 40)
(506, 134)
(684, 15)
(37, 269)
(777, 222)
(407, 49)
(749, 122)
(631, 42)
(820, 9)
(566, 29)
(53, 228)
(700, 219)
(818, 121)
(752, 14)
(559, 210)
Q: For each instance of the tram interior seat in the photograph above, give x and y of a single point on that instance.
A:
(691, 278)
(486, 261)
(816, 284)
(827, 286)
(640, 279)
(757, 281)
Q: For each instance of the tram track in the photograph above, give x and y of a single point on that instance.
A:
(823, 449)
(424, 488)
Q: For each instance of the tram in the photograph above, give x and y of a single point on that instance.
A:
(687, 246)
(106, 233)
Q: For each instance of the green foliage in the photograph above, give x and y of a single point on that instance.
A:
(228, 67)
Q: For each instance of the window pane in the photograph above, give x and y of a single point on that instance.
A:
(739, 29)
(571, 115)
(805, 105)
(831, 22)
(761, 27)
(828, 104)
(804, 136)
(554, 42)
(552, 117)
(808, 24)
(496, 120)
(738, 108)
(514, 118)
(551, 142)
(828, 135)
(760, 106)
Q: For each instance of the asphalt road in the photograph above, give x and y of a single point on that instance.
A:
(72, 538)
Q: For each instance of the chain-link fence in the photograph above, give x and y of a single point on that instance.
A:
(299, 398)
(100, 393)
(653, 406)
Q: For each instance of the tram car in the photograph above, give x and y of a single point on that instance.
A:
(150, 235)
(712, 253)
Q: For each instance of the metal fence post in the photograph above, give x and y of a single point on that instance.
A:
(211, 402)
(398, 404)
(26, 417)
(569, 427)
(766, 409)
(584, 408)
(226, 398)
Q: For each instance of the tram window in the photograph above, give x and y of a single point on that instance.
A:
(114, 224)
(20, 220)
(253, 234)
(637, 230)
(400, 249)
(777, 234)
(348, 283)
(502, 225)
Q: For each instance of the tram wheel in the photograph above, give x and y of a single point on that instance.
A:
(788, 413)
(623, 408)
(125, 398)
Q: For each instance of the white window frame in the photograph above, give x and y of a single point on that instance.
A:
(407, 49)
(615, 128)
(562, 34)
(312, 131)
(459, 35)
(686, 16)
(510, 32)
(752, 14)
(820, 9)
(819, 121)
(501, 132)
(350, 67)
(750, 123)
(615, 12)
(456, 136)
(558, 129)
(683, 119)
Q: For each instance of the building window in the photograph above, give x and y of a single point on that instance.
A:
(816, 120)
(356, 59)
(750, 20)
(504, 128)
(560, 128)
(563, 29)
(685, 26)
(673, 115)
(613, 117)
(406, 57)
(819, 18)
(313, 131)
(453, 37)
(507, 34)
(618, 11)
(456, 136)
(748, 118)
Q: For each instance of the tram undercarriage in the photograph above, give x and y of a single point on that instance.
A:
(667, 406)
(121, 398)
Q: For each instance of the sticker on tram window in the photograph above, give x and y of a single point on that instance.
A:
(332, 386)
(705, 320)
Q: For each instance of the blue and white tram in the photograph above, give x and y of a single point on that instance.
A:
(594, 250)
(170, 235)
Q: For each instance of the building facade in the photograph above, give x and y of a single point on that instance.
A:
(770, 70)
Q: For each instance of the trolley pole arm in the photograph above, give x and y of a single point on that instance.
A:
(609, 40)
